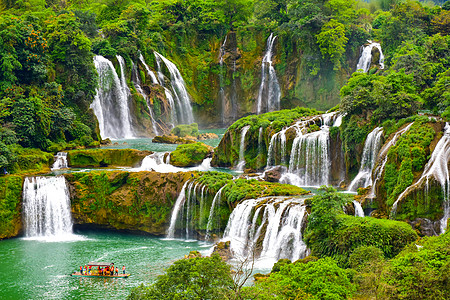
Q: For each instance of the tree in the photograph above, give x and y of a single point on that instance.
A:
(332, 41)
(190, 278)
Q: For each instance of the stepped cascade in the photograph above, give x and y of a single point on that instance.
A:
(240, 166)
(368, 159)
(365, 59)
(215, 204)
(60, 161)
(270, 227)
(382, 158)
(269, 91)
(137, 85)
(46, 207)
(308, 162)
(110, 104)
(436, 168)
(181, 99)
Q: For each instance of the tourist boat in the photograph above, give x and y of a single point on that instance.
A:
(95, 267)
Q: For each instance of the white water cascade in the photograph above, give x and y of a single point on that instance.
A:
(436, 168)
(282, 219)
(241, 164)
(46, 207)
(368, 159)
(160, 162)
(214, 205)
(110, 104)
(382, 158)
(366, 57)
(181, 99)
(176, 210)
(137, 85)
(308, 162)
(359, 212)
(269, 91)
(149, 72)
(60, 161)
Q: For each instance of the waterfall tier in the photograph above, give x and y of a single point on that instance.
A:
(181, 100)
(368, 160)
(269, 91)
(366, 57)
(308, 162)
(60, 161)
(46, 207)
(269, 228)
(110, 104)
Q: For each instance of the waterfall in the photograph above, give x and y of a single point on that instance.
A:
(176, 210)
(282, 218)
(149, 72)
(366, 57)
(269, 90)
(46, 207)
(382, 158)
(60, 161)
(215, 204)
(182, 105)
(240, 166)
(437, 168)
(110, 104)
(137, 85)
(222, 81)
(160, 162)
(260, 144)
(359, 212)
(368, 159)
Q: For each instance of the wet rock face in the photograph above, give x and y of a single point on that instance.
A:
(273, 175)
(426, 227)
(138, 201)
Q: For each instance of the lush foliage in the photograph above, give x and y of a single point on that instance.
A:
(332, 233)
(314, 279)
(105, 157)
(190, 278)
(186, 130)
(189, 155)
(10, 200)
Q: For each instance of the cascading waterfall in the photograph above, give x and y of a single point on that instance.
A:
(110, 104)
(46, 207)
(182, 105)
(282, 218)
(368, 159)
(366, 57)
(176, 210)
(269, 90)
(359, 212)
(382, 158)
(437, 168)
(214, 205)
(137, 85)
(240, 166)
(60, 161)
(149, 72)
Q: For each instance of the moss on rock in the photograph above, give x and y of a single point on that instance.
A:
(10, 205)
(190, 155)
(105, 157)
(137, 201)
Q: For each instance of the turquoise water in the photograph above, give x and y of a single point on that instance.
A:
(147, 144)
(32, 269)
